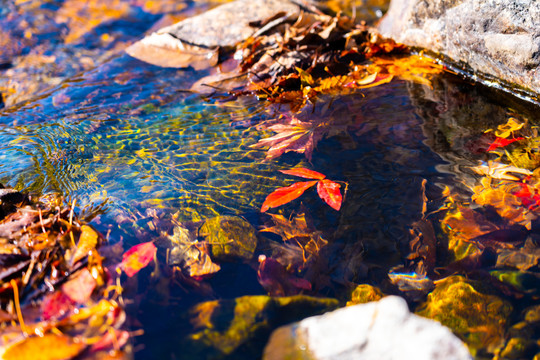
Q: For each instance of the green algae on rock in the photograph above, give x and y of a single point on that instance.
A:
(230, 238)
(365, 293)
(522, 339)
(239, 328)
(476, 316)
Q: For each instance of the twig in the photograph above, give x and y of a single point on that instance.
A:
(18, 306)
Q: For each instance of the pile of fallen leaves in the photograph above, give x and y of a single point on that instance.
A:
(297, 62)
(309, 59)
(57, 293)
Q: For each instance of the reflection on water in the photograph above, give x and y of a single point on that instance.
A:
(133, 135)
(145, 143)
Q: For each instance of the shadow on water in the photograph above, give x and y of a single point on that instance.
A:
(133, 136)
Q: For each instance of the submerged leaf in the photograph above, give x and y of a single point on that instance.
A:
(113, 339)
(505, 130)
(137, 258)
(297, 136)
(275, 279)
(286, 194)
(297, 232)
(190, 255)
(329, 191)
(372, 81)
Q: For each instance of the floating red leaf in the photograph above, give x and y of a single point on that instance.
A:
(329, 191)
(137, 257)
(502, 142)
(305, 173)
(286, 194)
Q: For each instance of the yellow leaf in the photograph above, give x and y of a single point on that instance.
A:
(48, 347)
(88, 241)
(507, 129)
(305, 78)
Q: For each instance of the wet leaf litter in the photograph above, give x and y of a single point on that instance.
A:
(296, 65)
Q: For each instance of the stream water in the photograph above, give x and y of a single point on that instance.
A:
(130, 139)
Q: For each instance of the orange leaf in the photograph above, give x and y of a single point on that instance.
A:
(286, 194)
(305, 173)
(137, 257)
(47, 347)
(329, 191)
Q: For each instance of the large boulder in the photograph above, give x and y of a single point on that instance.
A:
(381, 330)
(500, 38)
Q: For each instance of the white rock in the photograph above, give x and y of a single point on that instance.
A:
(383, 330)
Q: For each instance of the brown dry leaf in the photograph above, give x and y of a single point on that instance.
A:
(47, 347)
(190, 255)
(167, 51)
(12, 225)
(297, 231)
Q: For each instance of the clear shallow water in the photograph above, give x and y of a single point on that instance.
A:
(132, 135)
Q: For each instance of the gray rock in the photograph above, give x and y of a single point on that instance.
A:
(500, 38)
(195, 41)
(380, 330)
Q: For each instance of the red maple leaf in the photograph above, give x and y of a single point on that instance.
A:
(305, 173)
(328, 190)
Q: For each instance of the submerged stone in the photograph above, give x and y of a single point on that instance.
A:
(522, 336)
(231, 238)
(365, 293)
(476, 316)
(381, 330)
(517, 348)
(238, 328)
